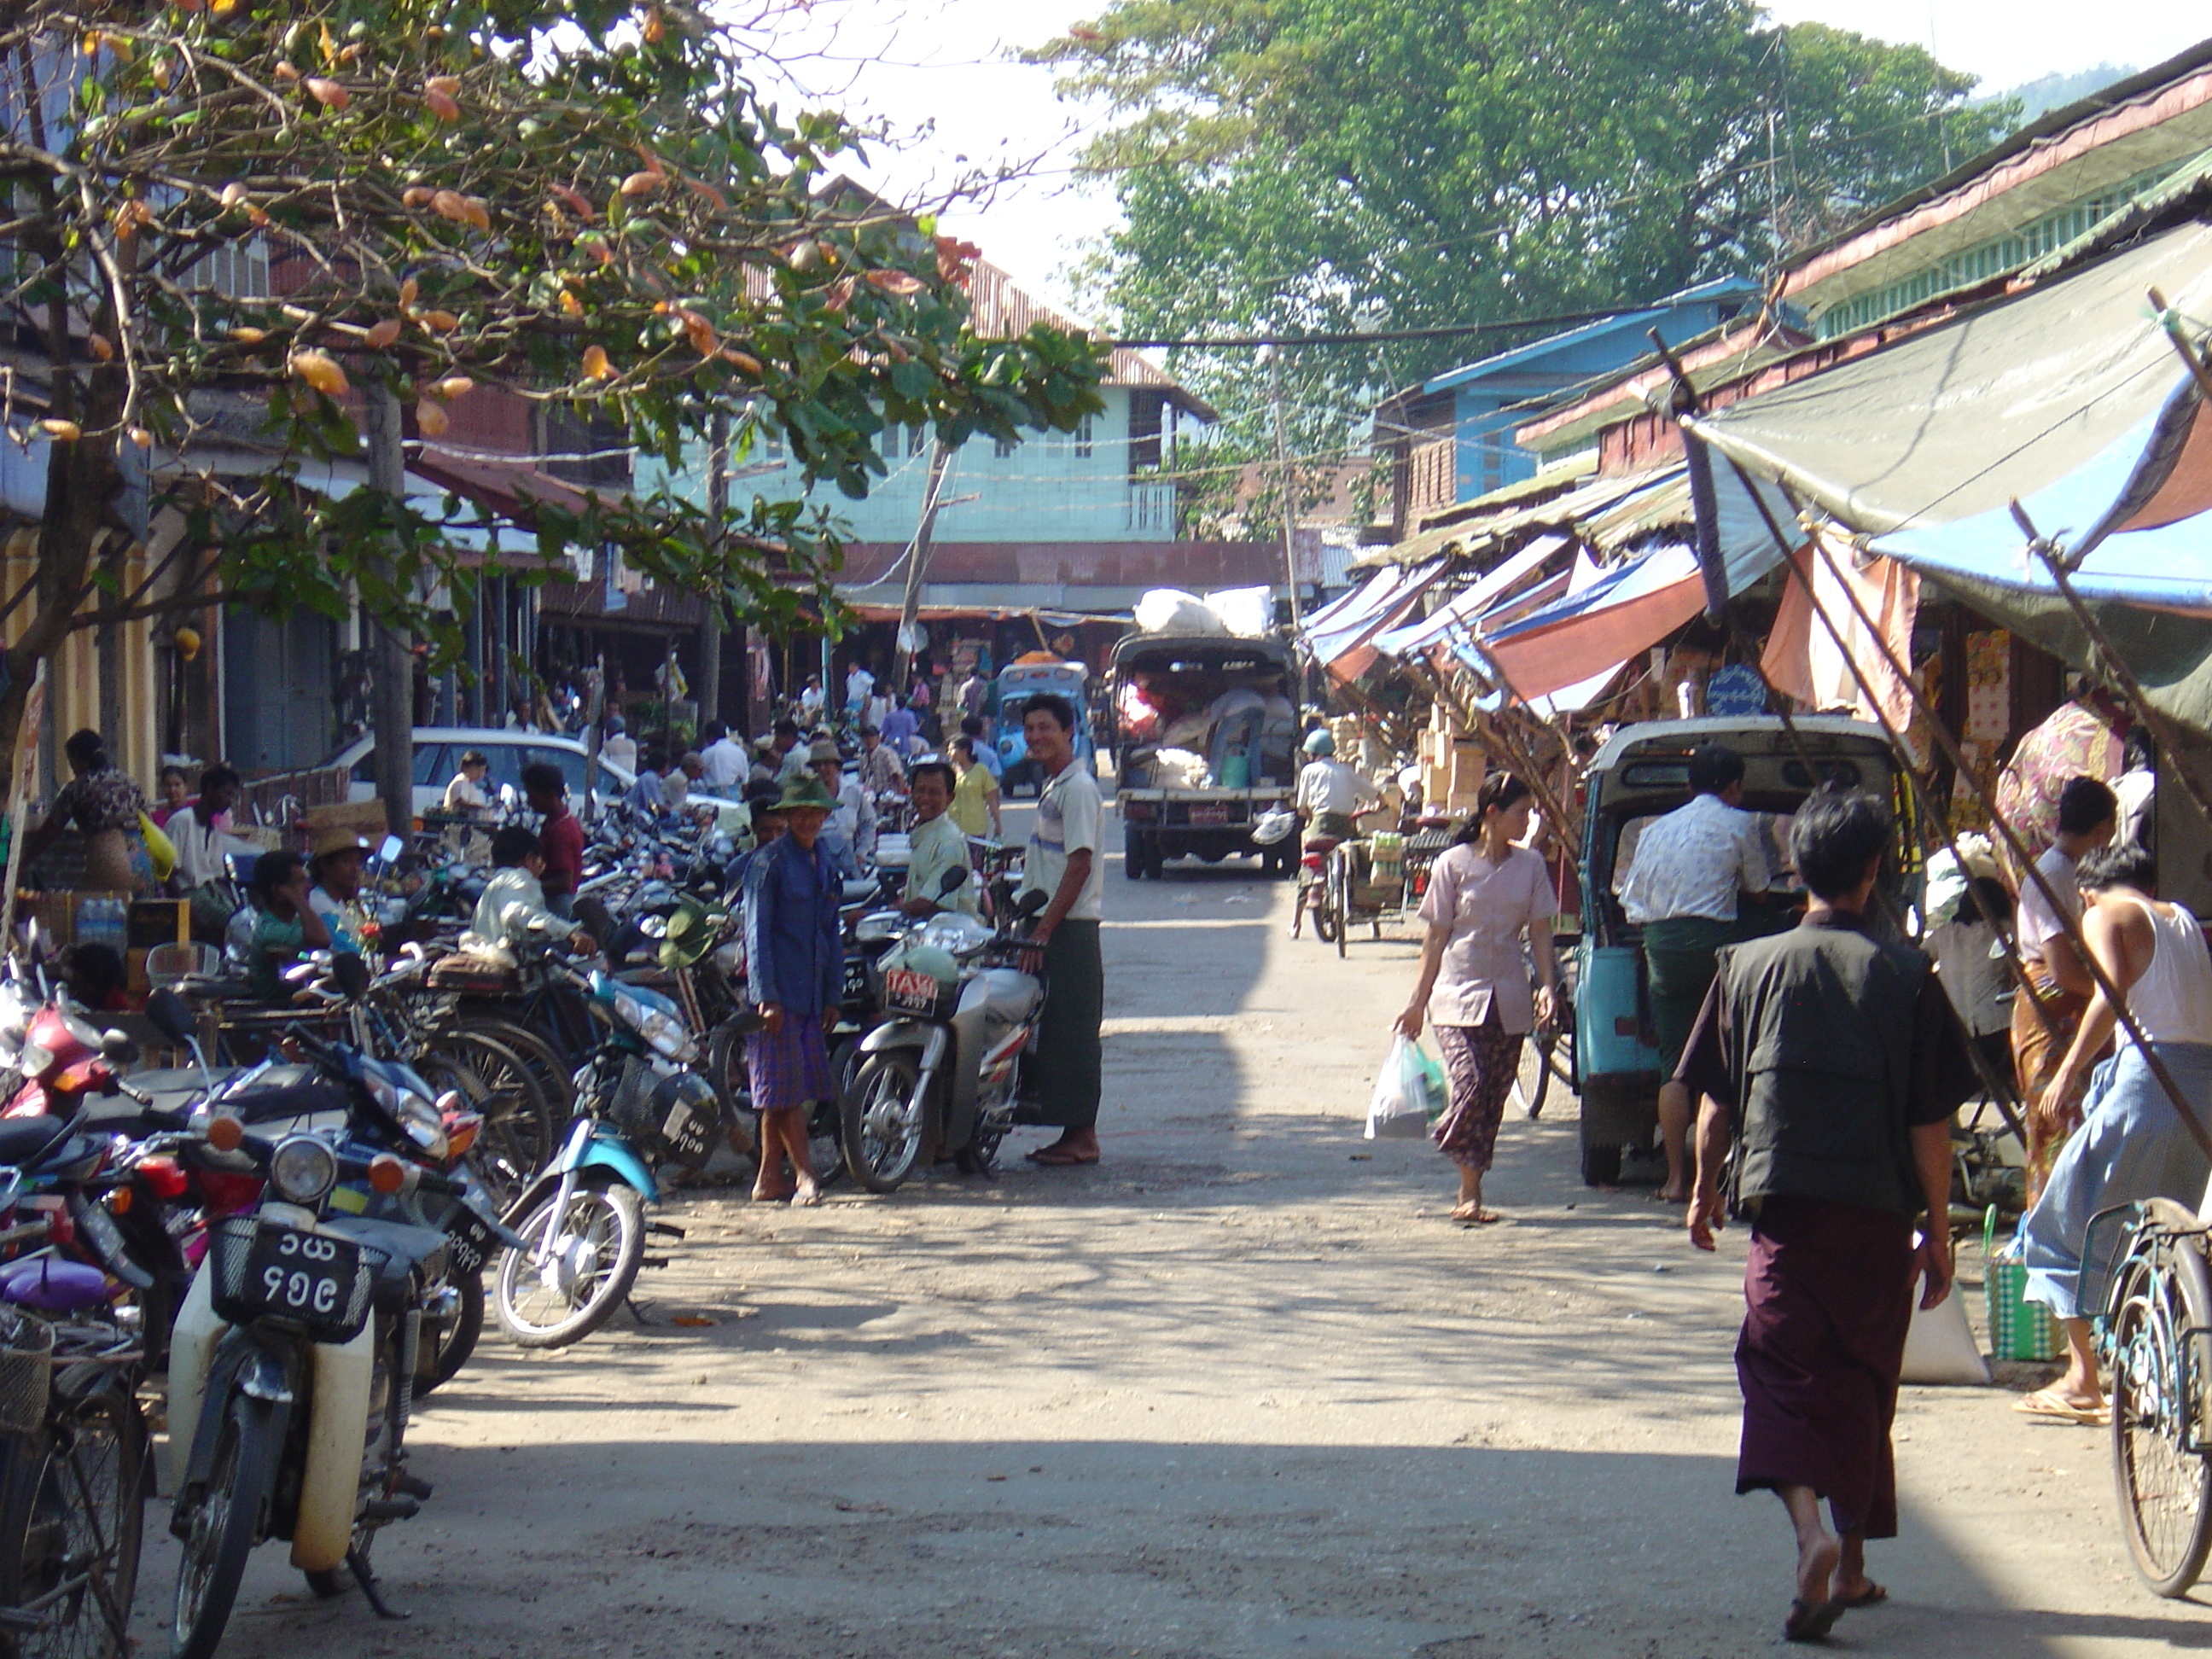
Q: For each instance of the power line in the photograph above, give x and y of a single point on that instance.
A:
(1559, 319)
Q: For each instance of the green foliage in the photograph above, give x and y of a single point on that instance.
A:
(580, 202)
(1333, 165)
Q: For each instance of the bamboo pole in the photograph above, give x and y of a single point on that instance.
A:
(2070, 928)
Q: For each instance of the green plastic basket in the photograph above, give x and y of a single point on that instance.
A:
(2019, 1329)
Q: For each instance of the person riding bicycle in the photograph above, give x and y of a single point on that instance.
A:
(1330, 793)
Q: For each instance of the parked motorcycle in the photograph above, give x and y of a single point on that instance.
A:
(942, 1072)
(582, 1223)
(299, 1347)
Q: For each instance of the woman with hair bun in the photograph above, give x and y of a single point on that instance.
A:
(1486, 894)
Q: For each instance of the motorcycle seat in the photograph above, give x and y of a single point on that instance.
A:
(401, 1247)
(24, 1140)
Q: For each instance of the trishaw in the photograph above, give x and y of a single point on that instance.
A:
(1642, 772)
(1379, 876)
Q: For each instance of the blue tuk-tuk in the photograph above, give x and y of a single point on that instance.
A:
(1018, 683)
(1643, 772)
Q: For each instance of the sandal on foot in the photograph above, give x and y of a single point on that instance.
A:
(1057, 1157)
(1811, 1621)
(2051, 1404)
(1873, 1595)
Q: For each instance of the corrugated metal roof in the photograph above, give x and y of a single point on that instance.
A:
(1592, 503)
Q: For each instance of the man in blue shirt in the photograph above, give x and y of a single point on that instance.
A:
(645, 795)
(795, 970)
(986, 754)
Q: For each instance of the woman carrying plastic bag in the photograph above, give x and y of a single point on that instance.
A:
(1409, 1093)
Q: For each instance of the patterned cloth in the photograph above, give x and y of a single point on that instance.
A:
(2036, 1054)
(791, 1067)
(107, 799)
(2070, 742)
(1480, 1062)
(1693, 861)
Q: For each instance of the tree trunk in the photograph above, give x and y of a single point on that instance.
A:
(393, 665)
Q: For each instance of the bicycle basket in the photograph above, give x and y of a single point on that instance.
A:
(242, 1293)
(27, 1354)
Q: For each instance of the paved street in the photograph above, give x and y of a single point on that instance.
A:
(1241, 1390)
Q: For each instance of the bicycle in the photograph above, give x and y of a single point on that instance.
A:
(74, 1463)
(2143, 1266)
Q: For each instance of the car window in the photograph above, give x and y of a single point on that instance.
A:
(364, 769)
(430, 765)
(507, 760)
(570, 763)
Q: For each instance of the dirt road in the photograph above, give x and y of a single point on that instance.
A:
(1240, 1390)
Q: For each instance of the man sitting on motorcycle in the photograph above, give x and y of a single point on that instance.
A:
(1329, 795)
(937, 845)
(512, 910)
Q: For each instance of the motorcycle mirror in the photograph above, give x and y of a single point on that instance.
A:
(953, 880)
(390, 848)
(351, 972)
(170, 1014)
(116, 1048)
(1030, 904)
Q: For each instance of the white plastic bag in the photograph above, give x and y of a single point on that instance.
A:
(1397, 1109)
(1171, 611)
(1939, 1344)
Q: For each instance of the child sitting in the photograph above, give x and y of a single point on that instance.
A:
(513, 909)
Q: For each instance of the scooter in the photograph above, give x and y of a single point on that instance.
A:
(942, 1072)
(581, 1221)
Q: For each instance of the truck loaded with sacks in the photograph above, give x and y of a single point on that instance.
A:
(1205, 735)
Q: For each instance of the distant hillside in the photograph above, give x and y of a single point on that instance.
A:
(2050, 92)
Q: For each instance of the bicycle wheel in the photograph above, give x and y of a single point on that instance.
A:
(220, 1529)
(520, 1129)
(555, 1073)
(74, 1529)
(2164, 1489)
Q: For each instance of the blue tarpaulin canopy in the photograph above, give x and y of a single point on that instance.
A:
(2069, 399)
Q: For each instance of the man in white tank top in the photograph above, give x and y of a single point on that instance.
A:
(2132, 1144)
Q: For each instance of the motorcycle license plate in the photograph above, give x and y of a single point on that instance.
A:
(470, 1240)
(1209, 816)
(916, 993)
(296, 1275)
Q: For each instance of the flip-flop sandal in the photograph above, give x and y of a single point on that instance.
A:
(2051, 1405)
(1811, 1621)
(1873, 1595)
(1480, 1219)
(1057, 1160)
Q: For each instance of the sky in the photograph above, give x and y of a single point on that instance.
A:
(941, 75)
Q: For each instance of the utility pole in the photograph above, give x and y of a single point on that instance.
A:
(718, 509)
(391, 698)
(917, 566)
(1290, 499)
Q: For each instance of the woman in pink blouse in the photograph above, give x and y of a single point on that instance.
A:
(1485, 895)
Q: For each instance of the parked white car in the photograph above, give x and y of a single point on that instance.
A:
(439, 749)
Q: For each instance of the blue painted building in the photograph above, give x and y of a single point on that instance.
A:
(1450, 438)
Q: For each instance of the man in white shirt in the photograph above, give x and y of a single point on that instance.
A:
(809, 700)
(725, 759)
(618, 747)
(937, 847)
(1066, 861)
(201, 846)
(1330, 793)
(1681, 886)
(859, 682)
(2088, 818)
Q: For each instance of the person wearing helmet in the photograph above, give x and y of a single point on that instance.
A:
(1330, 792)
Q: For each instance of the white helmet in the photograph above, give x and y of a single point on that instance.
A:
(1271, 827)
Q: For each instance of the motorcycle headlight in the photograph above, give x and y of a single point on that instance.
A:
(667, 1035)
(425, 1127)
(303, 1168)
